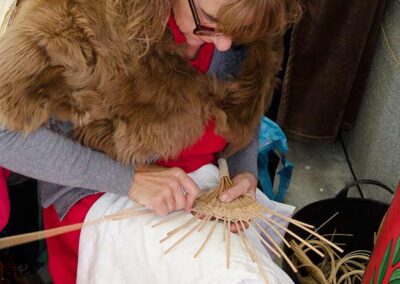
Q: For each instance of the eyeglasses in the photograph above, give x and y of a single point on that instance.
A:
(200, 29)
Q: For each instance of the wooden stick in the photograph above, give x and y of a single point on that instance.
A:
(204, 222)
(184, 225)
(207, 238)
(319, 237)
(136, 207)
(213, 195)
(228, 244)
(126, 212)
(275, 230)
(243, 241)
(247, 240)
(169, 218)
(230, 183)
(40, 235)
(290, 220)
(338, 235)
(276, 246)
(323, 224)
(224, 230)
(334, 232)
(118, 216)
(182, 238)
(258, 261)
(264, 241)
(173, 232)
(36, 236)
(270, 222)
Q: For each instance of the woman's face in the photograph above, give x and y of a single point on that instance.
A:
(207, 11)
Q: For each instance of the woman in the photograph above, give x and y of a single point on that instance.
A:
(126, 78)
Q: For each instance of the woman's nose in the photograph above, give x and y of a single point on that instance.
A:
(222, 43)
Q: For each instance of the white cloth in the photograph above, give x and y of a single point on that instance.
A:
(7, 9)
(129, 251)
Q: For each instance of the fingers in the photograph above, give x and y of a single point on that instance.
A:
(235, 229)
(171, 203)
(168, 200)
(233, 193)
(158, 204)
(185, 190)
(179, 198)
(163, 190)
(191, 189)
(244, 183)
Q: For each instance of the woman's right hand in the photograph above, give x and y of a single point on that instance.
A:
(163, 190)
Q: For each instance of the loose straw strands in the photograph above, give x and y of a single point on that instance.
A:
(12, 241)
(207, 239)
(228, 244)
(169, 218)
(251, 250)
(333, 269)
(183, 237)
(279, 249)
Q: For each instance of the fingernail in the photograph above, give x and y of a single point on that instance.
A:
(224, 197)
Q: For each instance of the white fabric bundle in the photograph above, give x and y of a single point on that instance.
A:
(129, 251)
(7, 9)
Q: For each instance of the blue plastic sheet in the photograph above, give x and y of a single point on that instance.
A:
(272, 139)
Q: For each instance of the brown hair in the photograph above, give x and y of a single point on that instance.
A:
(266, 18)
(147, 20)
(251, 92)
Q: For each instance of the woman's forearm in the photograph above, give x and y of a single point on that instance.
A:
(51, 157)
(246, 159)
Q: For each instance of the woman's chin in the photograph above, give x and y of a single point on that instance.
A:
(194, 42)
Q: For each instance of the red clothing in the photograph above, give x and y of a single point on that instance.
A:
(4, 200)
(201, 153)
(204, 56)
(63, 250)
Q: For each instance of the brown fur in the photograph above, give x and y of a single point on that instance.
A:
(73, 60)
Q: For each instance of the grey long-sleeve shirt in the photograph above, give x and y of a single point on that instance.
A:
(68, 171)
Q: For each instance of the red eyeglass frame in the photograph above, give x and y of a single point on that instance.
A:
(200, 29)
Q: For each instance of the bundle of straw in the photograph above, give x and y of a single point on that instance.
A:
(332, 269)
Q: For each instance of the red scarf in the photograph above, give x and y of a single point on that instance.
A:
(204, 56)
(204, 150)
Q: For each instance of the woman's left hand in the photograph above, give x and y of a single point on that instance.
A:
(243, 184)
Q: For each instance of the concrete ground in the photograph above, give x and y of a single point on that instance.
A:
(321, 170)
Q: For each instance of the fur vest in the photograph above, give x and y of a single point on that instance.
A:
(72, 61)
